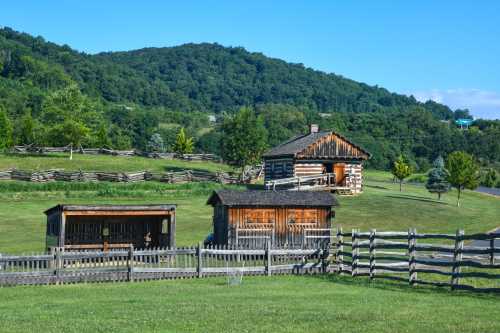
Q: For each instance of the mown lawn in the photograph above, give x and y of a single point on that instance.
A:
(102, 163)
(260, 304)
(381, 206)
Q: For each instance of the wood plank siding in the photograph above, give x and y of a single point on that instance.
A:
(332, 146)
(286, 225)
(85, 227)
(277, 216)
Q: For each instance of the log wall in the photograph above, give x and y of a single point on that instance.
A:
(278, 168)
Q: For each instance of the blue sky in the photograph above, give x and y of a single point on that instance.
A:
(445, 50)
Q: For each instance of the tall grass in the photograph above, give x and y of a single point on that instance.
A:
(108, 189)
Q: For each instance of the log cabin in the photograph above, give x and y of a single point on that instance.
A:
(103, 227)
(318, 153)
(283, 218)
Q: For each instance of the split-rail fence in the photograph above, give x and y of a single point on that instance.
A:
(182, 176)
(30, 149)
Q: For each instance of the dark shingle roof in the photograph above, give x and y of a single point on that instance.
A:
(296, 144)
(299, 143)
(273, 198)
(110, 208)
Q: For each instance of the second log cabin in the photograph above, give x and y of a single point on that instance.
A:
(317, 153)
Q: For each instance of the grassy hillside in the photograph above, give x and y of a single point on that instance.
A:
(382, 206)
(260, 304)
(102, 163)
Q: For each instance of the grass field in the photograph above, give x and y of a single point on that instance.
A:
(102, 163)
(381, 206)
(260, 304)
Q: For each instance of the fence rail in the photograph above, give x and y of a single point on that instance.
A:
(401, 255)
(61, 266)
(30, 149)
(444, 260)
(183, 176)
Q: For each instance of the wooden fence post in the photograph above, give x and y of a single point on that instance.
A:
(492, 249)
(268, 259)
(355, 253)
(340, 250)
(52, 262)
(412, 252)
(457, 259)
(59, 264)
(199, 267)
(130, 263)
(304, 238)
(372, 254)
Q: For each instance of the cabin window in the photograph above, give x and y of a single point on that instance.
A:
(302, 216)
(261, 218)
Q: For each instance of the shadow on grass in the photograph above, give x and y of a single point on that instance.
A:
(400, 286)
(416, 198)
(378, 187)
(40, 155)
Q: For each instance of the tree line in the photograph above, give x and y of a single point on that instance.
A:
(53, 95)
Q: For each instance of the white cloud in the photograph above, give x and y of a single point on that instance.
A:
(481, 103)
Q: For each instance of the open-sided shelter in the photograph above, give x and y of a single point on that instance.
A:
(280, 217)
(110, 226)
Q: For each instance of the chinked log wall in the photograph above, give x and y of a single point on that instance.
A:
(83, 176)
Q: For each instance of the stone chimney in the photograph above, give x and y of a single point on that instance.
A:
(313, 128)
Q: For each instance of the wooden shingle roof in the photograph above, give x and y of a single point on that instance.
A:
(304, 145)
(273, 198)
(116, 208)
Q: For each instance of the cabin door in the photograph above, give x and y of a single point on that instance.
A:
(339, 170)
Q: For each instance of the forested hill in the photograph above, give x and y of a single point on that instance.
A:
(120, 99)
(216, 78)
(202, 77)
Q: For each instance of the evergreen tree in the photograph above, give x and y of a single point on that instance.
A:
(244, 138)
(401, 170)
(437, 182)
(183, 144)
(5, 130)
(463, 172)
(156, 144)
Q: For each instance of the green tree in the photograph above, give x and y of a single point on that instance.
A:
(244, 138)
(102, 137)
(69, 132)
(490, 178)
(5, 130)
(463, 172)
(401, 170)
(183, 144)
(26, 130)
(437, 183)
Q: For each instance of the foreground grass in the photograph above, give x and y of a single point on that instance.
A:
(102, 163)
(260, 304)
